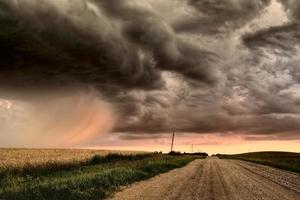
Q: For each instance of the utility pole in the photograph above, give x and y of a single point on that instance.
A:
(192, 148)
(172, 141)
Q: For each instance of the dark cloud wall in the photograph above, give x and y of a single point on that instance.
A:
(215, 67)
(105, 44)
(148, 30)
(259, 96)
(49, 44)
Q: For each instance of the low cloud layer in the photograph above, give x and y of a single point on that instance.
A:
(201, 67)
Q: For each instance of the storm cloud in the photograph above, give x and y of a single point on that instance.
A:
(58, 43)
(203, 67)
(215, 16)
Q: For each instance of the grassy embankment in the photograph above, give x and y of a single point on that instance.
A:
(96, 179)
(282, 160)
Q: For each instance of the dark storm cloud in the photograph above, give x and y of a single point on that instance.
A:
(280, 40)
(148, 30)
(138, 136)
(104, 44)
(214, 16)
(212, 119)
(197, 121)
(48, 43)
(260, 96)
(159, 75)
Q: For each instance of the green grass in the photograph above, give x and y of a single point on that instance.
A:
(282, 160)
(87, 182)
(113, 157)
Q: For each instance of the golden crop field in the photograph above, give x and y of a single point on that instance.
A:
(19, 158)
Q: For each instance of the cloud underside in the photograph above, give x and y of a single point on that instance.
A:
(210, 66)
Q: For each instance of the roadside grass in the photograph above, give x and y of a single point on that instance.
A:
(113, 157)
(282, 160)
(96, 181)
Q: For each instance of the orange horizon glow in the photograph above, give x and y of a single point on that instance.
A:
(209, 143)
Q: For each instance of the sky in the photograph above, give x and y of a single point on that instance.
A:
(124, 74)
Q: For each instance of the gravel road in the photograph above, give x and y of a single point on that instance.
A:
(216, 179)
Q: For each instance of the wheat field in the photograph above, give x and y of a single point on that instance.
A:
(19, 158)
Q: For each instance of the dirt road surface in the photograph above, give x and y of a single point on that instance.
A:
(216, 179)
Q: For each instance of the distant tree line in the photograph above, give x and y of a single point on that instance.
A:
(203, 154)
